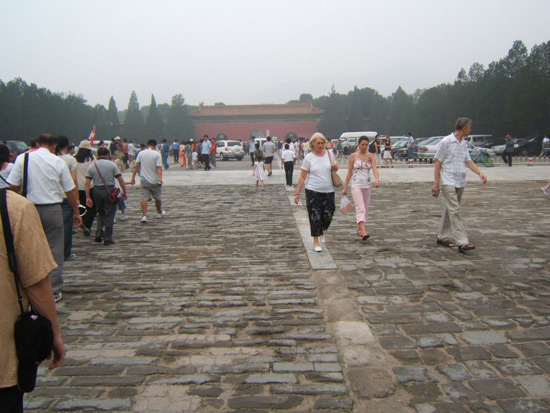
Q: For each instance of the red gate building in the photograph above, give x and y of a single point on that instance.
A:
(240, 122)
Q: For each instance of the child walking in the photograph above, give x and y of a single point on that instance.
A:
(259, 170)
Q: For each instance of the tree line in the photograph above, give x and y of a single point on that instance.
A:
(27, 111)
(511, 95)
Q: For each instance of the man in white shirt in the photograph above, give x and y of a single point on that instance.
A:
(48, 181)
(205, 152)
(149, 166)
(288, 158)
(451, 159)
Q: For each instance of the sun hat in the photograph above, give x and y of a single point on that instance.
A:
(85, 145)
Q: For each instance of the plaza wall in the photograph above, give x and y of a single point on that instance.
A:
(242, 130)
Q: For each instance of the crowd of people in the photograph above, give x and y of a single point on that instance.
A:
(61, 189)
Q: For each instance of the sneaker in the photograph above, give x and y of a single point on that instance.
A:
(57, 297)
(108, 243)
(98, 239)
(160, 214)
(86, 231)
(143, 219)
(71, 257)
(544, 190)
(123, 217)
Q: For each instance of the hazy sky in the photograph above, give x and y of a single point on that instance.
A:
(255, 51)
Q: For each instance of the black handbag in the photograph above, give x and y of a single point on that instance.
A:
(33, 332)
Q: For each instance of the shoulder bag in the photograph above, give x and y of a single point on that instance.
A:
(336, 180)
(114, 195)
(33, 333)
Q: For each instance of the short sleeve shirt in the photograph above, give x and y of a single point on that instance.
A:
(319, 178)
(34, 262)
(269, 148)
(149, 160)
(453, 156)
(108, 170)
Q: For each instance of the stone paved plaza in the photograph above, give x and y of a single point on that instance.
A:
(217, 307)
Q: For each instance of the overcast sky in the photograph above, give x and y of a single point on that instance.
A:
(255, 51)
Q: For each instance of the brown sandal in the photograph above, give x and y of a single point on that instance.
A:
(466, 247)
(445, 243)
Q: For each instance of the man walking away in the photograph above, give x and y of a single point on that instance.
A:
(451, 159)
(149, 166)
(176, 151)
(103, 173)
(269, 152)
(287, 161)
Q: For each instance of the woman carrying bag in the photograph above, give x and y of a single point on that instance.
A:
(317, 167)
(360, 165)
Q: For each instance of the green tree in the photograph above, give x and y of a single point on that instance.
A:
(401, 112)
(112, 121)
(179, 124)
(333, 121)
(134, 127)
(154, 125)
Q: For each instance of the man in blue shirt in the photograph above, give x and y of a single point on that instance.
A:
(176, 151)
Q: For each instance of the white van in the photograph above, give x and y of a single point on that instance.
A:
(483, 141)
(353, 137)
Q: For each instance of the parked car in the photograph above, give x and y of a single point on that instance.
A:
(528, 147)
(228, 149)
(428, 148)
(399, 150)
(546, 149)
(480, 141)
(16, 148)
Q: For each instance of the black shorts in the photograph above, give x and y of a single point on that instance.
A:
(268, 160)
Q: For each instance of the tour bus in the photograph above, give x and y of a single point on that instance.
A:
(353, 137)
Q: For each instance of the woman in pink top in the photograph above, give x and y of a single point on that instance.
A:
(361, 163)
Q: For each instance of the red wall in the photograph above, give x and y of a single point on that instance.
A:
(241, 131)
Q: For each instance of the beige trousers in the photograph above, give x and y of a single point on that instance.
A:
(451, 227)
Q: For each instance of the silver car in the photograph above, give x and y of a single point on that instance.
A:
(428, 148)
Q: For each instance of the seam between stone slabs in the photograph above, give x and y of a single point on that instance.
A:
(356, 344)
(318, 261)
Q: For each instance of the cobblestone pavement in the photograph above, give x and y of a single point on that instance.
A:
(215, 307)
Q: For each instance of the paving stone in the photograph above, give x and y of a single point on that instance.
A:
(271, 378)
(306, 389)
(533, 349)
(470, 353)
(405, 374)
(454, 371)
(458, 392)
(497, 388)
(333, 404)
(81, 404)
(516, 367)
(535, 334)
(264, 402)
(396, 342)
(296, 367)
(536, 386)
(484, 337)
(481, 370)
(525, 406)
(423, 392)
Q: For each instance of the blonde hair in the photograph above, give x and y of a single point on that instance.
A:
(313, 139)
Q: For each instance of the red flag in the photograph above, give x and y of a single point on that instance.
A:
(92, 136)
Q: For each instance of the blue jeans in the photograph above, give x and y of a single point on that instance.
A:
(165, 160)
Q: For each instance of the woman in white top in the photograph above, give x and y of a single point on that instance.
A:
(317, 167)
(5, 165)
(360, 165)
